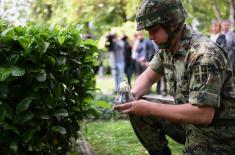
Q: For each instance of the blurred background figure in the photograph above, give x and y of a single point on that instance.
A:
(216, 35)
(115, 46)
(128, 61)
(144, 50)
(230, 41)
(151, 50)
(139, 51)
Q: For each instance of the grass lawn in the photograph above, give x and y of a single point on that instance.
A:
(105, 84)
(118, 138)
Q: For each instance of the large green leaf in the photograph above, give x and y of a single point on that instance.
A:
(24, 41)
(2, 111)
(17, 71)
(9, 31)
(24, 117)
(61, 39)
(49, 100)
(42, 115)
(46, 45)
(76, 108)
(9, 112)
(7, 126)
(58, 90)
(28, 135)
(90, 42)
(59, 129)
(14, 146)
(41, 76)
(61, 113)
(23, 105)
(88, 59)
(61, 61)
(51, 60)
(4, 73)
(12, 59)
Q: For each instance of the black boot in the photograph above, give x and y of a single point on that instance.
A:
(164, 151)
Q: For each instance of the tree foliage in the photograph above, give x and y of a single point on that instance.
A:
(55, 12)
(205, 11)
(98, 16)
(101, 15)
(16, 12)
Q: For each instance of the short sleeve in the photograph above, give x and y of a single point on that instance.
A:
(206, 81)
(156, 64)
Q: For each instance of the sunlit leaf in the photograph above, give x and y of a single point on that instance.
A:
(46, 45)
(24, 41)
(52, 60)
(61, 39)
(90, 42)
(7, 32)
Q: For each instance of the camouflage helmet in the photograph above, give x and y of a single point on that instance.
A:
(169, 13)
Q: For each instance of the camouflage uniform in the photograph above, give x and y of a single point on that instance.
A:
(200, 73)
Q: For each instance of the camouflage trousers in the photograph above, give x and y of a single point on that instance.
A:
(152, 132)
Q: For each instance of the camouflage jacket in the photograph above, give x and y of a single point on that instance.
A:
(200, 73)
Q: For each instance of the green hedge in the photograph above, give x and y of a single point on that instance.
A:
(46, 85)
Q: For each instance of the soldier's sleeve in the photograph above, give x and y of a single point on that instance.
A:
(206, 81)
(156, 64)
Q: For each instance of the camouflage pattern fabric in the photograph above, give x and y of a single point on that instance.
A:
(200, 73)
(166, 12)
(151, 132)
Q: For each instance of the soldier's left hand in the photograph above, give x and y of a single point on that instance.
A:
(138, 107)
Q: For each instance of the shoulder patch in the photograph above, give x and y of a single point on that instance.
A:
(201, 73)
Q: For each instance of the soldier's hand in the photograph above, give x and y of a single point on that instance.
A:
(138, 107)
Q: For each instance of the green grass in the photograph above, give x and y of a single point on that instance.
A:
(118, 138)
(105, 84)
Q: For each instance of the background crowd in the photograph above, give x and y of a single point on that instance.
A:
(129, 57)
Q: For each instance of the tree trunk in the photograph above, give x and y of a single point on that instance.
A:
(232, 12)
(216, 9)
(83, 145)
